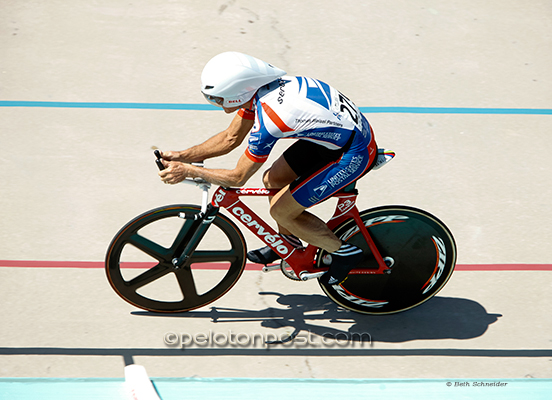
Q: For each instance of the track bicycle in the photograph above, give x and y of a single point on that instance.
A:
(409, 253)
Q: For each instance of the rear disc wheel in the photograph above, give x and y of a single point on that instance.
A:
(420, 247)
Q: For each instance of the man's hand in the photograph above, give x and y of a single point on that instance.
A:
(170, 155)
(174, 172)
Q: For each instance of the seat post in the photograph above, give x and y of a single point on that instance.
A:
(350, 187)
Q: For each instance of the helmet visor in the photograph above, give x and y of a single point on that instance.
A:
(214, 100)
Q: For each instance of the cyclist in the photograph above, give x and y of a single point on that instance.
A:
(336, 146)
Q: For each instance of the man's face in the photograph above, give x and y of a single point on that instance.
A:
(231, 110)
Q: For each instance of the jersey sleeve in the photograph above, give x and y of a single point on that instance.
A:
(246, 114)
(255, 158)
(261, 140)
(260, 145)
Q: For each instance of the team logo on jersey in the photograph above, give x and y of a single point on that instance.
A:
(282, 91)
(320, 190)
(268, 145)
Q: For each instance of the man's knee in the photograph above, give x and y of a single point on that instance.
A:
(267, 179)
(277, 211)
(279, 175)
(285, 208)
(272, 179)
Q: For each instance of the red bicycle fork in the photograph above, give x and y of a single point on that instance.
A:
(302, 261)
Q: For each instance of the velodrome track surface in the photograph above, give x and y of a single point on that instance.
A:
(460, 90)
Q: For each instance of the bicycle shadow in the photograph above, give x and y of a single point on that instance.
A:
(438, 318)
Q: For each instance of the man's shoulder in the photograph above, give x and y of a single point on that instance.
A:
(278, 87)
(292, 92)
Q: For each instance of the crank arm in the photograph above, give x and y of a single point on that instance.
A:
(305, 276)
(269, 268)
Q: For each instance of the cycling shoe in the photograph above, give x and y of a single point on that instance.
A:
(342, 262)
(264, 255)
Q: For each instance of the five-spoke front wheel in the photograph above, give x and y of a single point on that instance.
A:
(139, 261)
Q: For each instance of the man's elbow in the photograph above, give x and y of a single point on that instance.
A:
(239, 179)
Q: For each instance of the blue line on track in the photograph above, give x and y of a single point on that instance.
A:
(208, 107)
(456, 110)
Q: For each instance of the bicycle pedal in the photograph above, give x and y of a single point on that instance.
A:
(269, 268)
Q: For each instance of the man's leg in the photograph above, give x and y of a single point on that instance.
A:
(301, 159)
(279, 174)
(292, 216)
(276, 177)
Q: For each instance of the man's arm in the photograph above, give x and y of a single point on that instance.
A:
(218, 145)
(177, 171)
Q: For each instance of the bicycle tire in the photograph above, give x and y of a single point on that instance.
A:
(424, 254)
(231, 260)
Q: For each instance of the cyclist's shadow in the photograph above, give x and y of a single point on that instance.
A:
(438, 318)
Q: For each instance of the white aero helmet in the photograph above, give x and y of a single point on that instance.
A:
(231, 79)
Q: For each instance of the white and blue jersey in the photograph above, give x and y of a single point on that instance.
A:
(295, 107)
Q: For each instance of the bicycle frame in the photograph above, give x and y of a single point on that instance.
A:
(302, 261)
(421, 245)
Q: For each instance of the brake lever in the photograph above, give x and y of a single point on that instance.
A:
(162, 167)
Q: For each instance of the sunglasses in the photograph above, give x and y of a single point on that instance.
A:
(215, 100)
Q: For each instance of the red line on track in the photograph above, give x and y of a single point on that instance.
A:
(249, 267)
